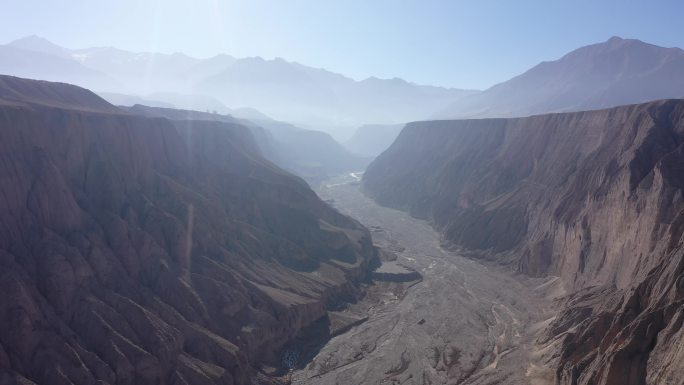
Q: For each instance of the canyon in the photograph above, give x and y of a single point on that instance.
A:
(463, 322)
(312, 155)
(154, 245)
(593, 198)
(144, 250)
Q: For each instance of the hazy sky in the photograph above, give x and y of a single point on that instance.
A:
(465, 44)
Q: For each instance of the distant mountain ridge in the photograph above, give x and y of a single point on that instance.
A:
(309, 97)
(615, 72)
(47, 66)
(608, 74)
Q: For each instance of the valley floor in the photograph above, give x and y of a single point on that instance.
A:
(464, 323)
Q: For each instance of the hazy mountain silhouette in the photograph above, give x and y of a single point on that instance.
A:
(313, 155)
(310, 97)
(615, 72)
(38, 44)
(160, 80)
(373, 139)
(151, 72)
(47, 66)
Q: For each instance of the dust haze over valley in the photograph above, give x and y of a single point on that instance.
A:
(257, 193)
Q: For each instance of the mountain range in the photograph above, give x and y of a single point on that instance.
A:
(608, 74)
(615, 72)
(308, 97)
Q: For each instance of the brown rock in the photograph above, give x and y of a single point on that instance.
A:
(593, 197)
(138, 250)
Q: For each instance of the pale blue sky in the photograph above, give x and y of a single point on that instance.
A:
(465, 44)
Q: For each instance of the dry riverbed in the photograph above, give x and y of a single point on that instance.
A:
(463, 323)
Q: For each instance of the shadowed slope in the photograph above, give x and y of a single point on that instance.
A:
(138, 251)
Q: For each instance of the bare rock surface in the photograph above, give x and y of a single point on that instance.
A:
(592, 197)
(313, 155)
(138, 250)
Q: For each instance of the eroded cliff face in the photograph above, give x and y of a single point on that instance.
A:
(312, 155)
(136, 250)
(593, 197)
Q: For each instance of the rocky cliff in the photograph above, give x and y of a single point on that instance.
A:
(135, 250)
(313, 155)
(593, 197)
